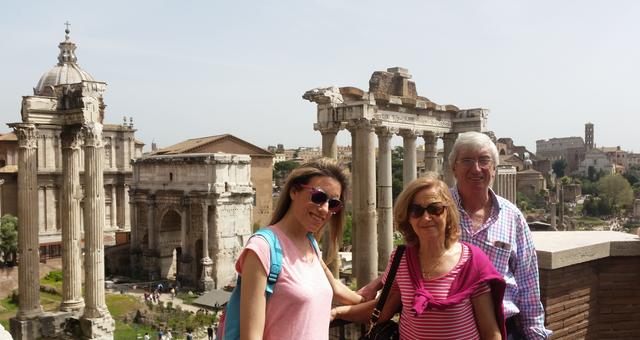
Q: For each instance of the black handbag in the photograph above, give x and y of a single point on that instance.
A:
(387, 330)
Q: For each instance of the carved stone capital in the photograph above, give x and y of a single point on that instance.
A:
(361, 124)
(409, 133)
(92, 132)
(185, 201)
(329, 128)
(27, 135)
(71, 138)
(386, 131)
(151, 201)
(450, 137)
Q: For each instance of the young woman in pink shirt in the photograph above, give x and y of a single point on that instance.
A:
(300, 305)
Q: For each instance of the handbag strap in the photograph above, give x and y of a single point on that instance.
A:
(375, 315)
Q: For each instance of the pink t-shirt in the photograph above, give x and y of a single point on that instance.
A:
(300, 305)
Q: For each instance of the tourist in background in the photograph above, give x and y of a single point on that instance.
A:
(300, 305)
(210, 332)
(446, 289)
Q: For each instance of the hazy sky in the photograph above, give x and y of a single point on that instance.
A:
(186, 69)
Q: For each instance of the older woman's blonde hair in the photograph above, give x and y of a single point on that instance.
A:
(301, 176)
(405, 199)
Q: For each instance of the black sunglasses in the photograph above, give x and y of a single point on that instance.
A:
(434, 209)
(320, 197)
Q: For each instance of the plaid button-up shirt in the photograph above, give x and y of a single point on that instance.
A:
(506, 240)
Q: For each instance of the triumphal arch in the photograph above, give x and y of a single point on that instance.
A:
(191, 216)
(77, 110)
(391, 107)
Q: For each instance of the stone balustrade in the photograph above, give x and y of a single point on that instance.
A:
(589, 282)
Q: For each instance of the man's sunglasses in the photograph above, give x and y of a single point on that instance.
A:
(434, 209)
(320, 197)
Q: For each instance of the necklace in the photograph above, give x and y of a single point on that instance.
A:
(426, 274)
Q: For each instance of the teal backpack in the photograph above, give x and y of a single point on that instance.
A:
(229, 325)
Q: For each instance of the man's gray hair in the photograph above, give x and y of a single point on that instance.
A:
(474, 141)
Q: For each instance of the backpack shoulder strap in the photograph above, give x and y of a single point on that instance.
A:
(314, 243)
(275, 257)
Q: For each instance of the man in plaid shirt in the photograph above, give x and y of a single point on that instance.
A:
(497, 226)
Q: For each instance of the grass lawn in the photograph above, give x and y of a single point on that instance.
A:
(588, 222)
(119, 306)
(8, 309)
(187, 298)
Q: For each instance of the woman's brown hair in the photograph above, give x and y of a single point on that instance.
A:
(301, 176)
(405, 199)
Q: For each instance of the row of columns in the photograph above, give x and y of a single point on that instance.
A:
(372, 201)
(90, 135)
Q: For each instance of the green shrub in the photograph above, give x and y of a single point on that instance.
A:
(54, 276)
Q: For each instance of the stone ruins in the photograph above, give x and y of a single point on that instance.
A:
(77, 110)
(390, 107)
(191, 216)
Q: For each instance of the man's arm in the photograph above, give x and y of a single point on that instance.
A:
(528, 281)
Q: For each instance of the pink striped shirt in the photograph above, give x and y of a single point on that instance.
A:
(455, 322)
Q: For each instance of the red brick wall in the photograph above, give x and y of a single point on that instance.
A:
(619, 298)
(593, 300)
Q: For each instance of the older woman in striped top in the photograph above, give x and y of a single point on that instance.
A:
(447, 289)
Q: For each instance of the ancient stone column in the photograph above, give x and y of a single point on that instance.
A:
(365, 215)
(70, 218)
(183, 224)
(114, 217)
(135, 238)
(126, 213)
(561, 207)
(94, 206)
(151, 223)
(430, 151)
(409, 164)
(28, 242)
(448, 140)
(330, 150)
(329, 144)
(207, 264)
(355, 199)
(385, 197)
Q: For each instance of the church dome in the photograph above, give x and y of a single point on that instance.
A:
(65, 72)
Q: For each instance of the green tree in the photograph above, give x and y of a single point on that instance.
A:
(592, 174)
(558, 167)
(616, 191)
(397, 155)
(282, 169)
(589, 187)
(523, 202)
(633, 174)
(9, 238)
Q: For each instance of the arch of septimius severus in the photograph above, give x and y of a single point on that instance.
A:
(390, 107)
(77, 110)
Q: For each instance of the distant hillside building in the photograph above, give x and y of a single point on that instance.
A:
(571, 149)
(599, 161)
